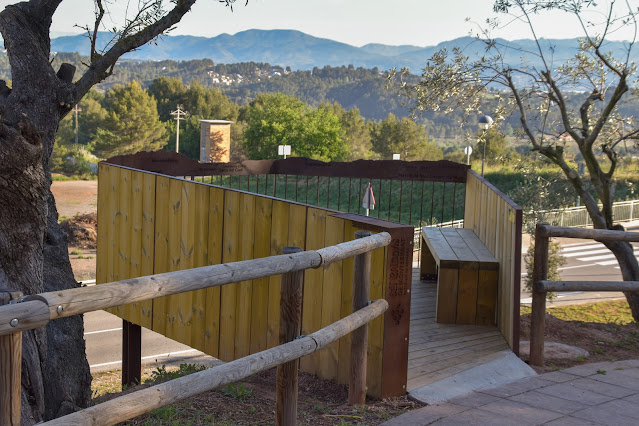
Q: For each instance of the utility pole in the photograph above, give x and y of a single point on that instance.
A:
(76, 109)
(178, 114)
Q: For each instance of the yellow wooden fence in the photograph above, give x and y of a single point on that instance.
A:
(150, 223)
(497, 221)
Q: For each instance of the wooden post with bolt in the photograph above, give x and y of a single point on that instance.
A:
(538, 315)
(10, 370)
(359, 337)
(290, 327)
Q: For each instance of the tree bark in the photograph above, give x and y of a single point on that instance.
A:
(56, 378)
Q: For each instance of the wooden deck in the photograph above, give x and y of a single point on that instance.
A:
(437, 351)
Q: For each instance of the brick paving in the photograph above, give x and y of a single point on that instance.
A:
(604, 393)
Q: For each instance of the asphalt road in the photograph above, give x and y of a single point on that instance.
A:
(103, 335)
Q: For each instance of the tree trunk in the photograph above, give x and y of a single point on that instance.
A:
(629, 265)
(33, 248)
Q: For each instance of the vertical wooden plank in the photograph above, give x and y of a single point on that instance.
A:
(161, 255)
(244, 289)
(469, 202)
(344, 365)
(200, 258)
(313, 278)
(483, 219)
(331, 298)
(477, 210)
(104, 223)
(147, 243)
(487, 288)
(508, 282)
(279, 239)
(447, 283)
(114, 228)
(215, 243)
(398, 276)
(376, 327)
(137, 313)
(230, 253)
(175, 314)
(262, 248)
(467, 295)
(297, 226)
(123, 242)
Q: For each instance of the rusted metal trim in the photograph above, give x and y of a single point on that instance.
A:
(173, 164)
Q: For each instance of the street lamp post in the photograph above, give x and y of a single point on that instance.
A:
(484, 123)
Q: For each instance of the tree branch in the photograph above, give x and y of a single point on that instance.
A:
(99, 69)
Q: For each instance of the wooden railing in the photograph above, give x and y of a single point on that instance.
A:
(541, 286)
(34, 311)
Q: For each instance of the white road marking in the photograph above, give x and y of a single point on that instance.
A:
(575, 267)
(586, 253)
(145, 357)
(582, 247)
(608, 256)
(102, 331)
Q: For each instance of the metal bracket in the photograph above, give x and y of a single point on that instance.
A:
(30, 298)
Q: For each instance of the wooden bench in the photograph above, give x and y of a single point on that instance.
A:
(466, 273)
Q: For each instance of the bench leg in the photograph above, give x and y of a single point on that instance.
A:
(467, 296)
(487, 297)
(427, 266)
(447, 282)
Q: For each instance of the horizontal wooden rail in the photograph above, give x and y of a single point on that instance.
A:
(559, 286)
(143, 401)
(543, 233)
(589, 234)
(36, 310)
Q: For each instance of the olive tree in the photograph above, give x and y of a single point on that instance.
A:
(537, 89)
(33, 248)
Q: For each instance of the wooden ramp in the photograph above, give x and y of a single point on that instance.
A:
(437, 351)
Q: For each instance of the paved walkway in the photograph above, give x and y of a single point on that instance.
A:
(605, 393)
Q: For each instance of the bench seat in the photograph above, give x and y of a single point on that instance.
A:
(466, 273)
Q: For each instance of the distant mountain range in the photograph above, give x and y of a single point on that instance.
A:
(302, 51)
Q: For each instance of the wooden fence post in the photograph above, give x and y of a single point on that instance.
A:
(290, 327)
(131, 354)
(538, 315)
(359, 337)
(10, 370)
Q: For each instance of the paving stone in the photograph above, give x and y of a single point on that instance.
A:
(570, 421)
(572, 393)
(477, 416)
(474, 399)
(625, 408)
(605, 416)
(618, 378)
(627, 363)
(548, 402)
(518, 387)
(589, 369)
(602, 387)
(634, 398)
(426, 415)
(558, 376)
(520, 412)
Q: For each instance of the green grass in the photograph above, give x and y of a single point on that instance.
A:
(610, 312)
(61, 178)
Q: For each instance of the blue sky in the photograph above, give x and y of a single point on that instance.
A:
(356, 22)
